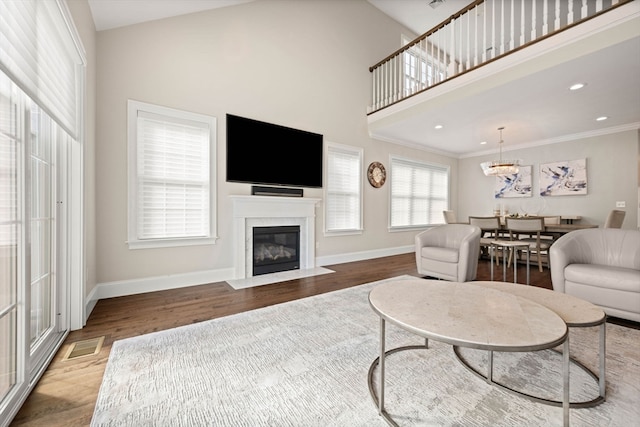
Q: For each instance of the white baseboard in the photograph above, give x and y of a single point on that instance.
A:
(160, 283)
(152, 284)
(364, 255)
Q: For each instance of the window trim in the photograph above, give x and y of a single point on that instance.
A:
(354, 150)
(133, 107)
(398, 228)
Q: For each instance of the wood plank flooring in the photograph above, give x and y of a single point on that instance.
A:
(67, 392)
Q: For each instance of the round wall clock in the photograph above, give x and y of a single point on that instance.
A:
(376, 174)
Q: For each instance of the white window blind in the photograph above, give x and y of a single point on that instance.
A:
(39, 53)
(172, 188)
(343, 207)
(419, 193)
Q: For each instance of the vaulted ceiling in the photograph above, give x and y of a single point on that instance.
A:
(535, 108)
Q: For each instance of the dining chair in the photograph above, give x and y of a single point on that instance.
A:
(532, 229)
(449, 217)
(489, 226)
(552, 220)
(615, 219)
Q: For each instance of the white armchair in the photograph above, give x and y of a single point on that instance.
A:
(601, 266)
(449, 252)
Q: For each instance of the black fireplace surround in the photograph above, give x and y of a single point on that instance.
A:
(276, 249)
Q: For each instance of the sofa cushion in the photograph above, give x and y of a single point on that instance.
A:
(624, 279)
(440, 254)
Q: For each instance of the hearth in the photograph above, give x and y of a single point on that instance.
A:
(276, 249)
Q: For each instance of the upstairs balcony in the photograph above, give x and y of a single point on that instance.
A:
(480, 55)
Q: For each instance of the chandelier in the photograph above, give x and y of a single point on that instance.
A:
(500, 167)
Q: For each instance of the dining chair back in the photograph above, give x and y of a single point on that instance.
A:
(490, 226)
(449, 217)
(531, 228)
(552, 220)
(615, 219)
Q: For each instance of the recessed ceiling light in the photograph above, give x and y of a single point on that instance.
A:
(577, 86)
(483, 143)
(602, 118)
(438, 126)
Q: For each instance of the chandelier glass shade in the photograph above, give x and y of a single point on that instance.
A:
(501, 167)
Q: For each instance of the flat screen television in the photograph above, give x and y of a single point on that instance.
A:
(265, 153)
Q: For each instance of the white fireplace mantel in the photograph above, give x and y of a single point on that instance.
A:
(258, 211)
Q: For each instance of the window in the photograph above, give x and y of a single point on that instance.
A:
(171, 184)
(420, 69)
(343, 207)
(419, 193)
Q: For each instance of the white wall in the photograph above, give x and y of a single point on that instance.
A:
(612, 170)
(302, 64)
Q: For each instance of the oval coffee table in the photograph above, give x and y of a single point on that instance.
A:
(464, 315)
(576, 313)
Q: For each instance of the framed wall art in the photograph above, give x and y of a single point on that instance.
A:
(568, 178)
(516, 185)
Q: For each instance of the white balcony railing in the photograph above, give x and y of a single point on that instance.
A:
(478, 34)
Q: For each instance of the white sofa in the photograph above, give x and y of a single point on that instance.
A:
(601, 266)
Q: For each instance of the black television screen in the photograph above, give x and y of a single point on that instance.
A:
(265, 153)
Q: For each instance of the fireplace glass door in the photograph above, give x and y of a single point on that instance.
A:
(276, 249)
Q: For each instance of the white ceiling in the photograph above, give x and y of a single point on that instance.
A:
(534, 109)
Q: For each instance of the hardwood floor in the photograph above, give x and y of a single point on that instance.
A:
(67, 392)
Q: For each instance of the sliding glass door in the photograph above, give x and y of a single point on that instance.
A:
(11, 238)
(30, 296)
(43, 145)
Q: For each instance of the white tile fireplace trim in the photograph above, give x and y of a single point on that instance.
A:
(261, 211)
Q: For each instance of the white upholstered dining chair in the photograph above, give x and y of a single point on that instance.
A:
(489, 226)
(529, 230)
(615, 219)
(449, 217)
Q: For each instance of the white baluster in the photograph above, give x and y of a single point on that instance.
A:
(423, 60)
(439, 51)
(522, 25)
(512, 27)
(394, 79)
(468, 63)
(433, 64)
(452, 69)
(386, 84)
(374, 89)
(570, 13)
(493, 47)
(533, 21)
(556, 22)
(475, 38)
(598, 6)
(484, 33)
(460, 58)
(585, 9)
(502, 31)
(545, 18)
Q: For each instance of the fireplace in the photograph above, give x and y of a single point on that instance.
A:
(276, 249)
(250, 212)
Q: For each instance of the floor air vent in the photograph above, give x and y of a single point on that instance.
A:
(84, 348)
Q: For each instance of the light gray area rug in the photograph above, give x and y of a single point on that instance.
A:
(305, 363)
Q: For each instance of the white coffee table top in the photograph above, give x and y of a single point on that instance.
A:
(466, 315)
(574, 311)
